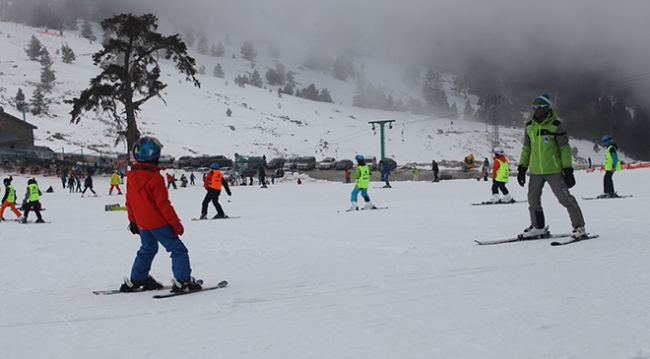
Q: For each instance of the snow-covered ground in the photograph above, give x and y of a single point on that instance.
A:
(308, 280)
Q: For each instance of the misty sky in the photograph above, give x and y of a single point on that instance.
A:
(568, 33)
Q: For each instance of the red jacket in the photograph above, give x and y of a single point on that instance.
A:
(497, 164)
(147, 200)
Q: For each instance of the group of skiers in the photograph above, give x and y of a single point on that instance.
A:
(30, 203)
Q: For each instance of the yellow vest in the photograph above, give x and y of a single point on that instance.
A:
(503, 172)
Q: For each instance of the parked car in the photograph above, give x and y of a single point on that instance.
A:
(222, 160)
(166, 160)
(371, 161)
(290, 163)
(197, 161)
(275, 163)
(327, 163)
(344, 165)
(183, 161)
(306, 163)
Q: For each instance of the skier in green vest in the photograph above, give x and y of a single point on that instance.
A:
(33, 201)
(612, 164)
(9, 199)
(362, 176)
(547, 153)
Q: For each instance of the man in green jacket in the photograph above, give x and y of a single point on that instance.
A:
(547, 153)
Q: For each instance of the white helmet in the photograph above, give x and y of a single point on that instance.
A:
(498, 151)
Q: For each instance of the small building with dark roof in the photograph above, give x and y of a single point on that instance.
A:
(14, 132)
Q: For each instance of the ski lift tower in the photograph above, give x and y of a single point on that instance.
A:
(382, 141)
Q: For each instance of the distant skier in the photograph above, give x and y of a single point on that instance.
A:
(33, 201)
(500, 173)
(385, 173)
(115, 183)
(484, 170)
(192, 178)
(88, 185)
(415, 172)
(612, 164)
(434, 168)
(362, 176)
(262, 175)
(153, 217)
(171, 181)
(9, 199)
(213, 184)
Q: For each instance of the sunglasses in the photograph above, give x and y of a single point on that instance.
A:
(537, 107)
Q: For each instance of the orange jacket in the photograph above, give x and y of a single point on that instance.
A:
(147, 200)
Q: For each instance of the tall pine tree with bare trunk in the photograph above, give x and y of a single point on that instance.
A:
(130, 71)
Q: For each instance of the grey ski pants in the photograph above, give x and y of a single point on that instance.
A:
(560, 190)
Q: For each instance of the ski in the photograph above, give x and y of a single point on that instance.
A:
(139, 290)
(206, 219)
(592, 198)
(575, 240)
(372, 209)
(221, 284)
(517, 239)
(117, 291)
(489, 203)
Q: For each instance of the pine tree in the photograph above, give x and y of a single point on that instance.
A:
(310, 92)
(218, 71)
(130, 71)
(433, 93)
(19, 100)
(67, 55)
(468, 111)
(218, 51)
(87, 31)
(202, 70)
(34, 48)
(241, 81)
(255, 79)
(248, 51)
(324, 96)
(276, 76)
(202, 46)
(38, 104)
(47, 78)
(45, 59)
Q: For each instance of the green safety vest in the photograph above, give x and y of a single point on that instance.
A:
(503, 172)
(33, 192)
(609, 160)
(11, 197)
(363, 177)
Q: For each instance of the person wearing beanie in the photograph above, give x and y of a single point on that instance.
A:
(547, 153)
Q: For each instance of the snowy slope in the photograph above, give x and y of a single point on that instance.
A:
(193, 121)
(308, 280)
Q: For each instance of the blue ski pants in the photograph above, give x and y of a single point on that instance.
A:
(173, 244)
(355, 194)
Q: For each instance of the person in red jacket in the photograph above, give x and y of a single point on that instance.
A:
(213, 183)
(152, 216)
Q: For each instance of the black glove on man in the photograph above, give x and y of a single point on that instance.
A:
(521, 175)
(569, 179)
(134, 228)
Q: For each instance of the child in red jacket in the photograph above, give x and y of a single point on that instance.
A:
(152, 216)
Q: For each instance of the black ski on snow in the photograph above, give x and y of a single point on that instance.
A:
(139, 290)
(575, 240)
(592, 198)
(221, 284)
(518, 239)
(206, 219)
(489, 202)
(117, 291)
(372, 209)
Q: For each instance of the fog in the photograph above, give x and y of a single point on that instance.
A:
(515, 34)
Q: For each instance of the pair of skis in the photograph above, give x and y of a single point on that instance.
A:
(547, 236)
(221, 284)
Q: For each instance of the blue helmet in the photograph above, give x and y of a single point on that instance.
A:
(360, 158)
(607, 139)
(146, 149)
(215, 166)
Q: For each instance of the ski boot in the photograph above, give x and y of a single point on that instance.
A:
(185, 285)
(532, 232)
(147, 284)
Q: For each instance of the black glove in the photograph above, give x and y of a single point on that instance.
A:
(569, 179)
(134, 228)
(229, 194)
(521, 175)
